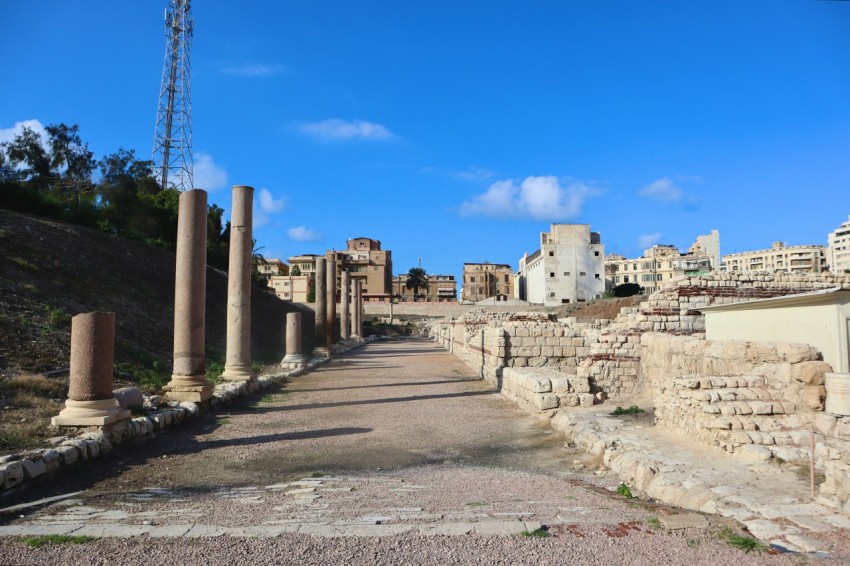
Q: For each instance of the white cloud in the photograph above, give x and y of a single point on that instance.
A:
(8, 134)
(265, 205)
(303, 234)
(645, 241)
(344, 130)
(207, 174)
(251, 70)
(664, 190)
(538, 198)
(270, 204)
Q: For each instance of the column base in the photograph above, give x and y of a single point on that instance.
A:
(90, 413)
(293, 361)
(237, 374)
(322, 352)
(188, 388)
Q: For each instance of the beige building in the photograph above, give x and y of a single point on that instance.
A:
(305, 264)
(662, 263)
(839, 249)
(441, 289)
(368, 263)
(295, 288)
(800, 259)
(567, 268)
(273, 267)
(485, 280)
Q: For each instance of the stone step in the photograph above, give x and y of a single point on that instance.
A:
(718, 382)
(775, 438)
(731, 394)
(749, 407)
(760, 423)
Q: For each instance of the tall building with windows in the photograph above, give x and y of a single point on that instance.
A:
(487, 280)
(800, 259)
(441, 289)
(839, 248)
(662, 263)
(568, 267)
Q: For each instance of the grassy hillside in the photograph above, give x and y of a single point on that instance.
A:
(50, 271)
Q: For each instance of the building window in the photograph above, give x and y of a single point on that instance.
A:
(567, 273)
(596, 276)
(582, 273)
(596, 254)
(564, 301)
(552, 274)
(551, 254)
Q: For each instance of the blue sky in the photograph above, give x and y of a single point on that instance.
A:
(457, 131)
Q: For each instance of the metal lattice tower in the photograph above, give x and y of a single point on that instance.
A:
(172, 143)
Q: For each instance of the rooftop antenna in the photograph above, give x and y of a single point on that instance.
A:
(172, 143)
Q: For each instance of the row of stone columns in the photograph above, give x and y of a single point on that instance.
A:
(90, 398)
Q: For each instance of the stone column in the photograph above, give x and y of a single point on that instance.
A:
(321, 308)
(237, 362)
(357, 308)
(294, 357)
(189, 379)
(330, 316)
(344, 306)
(90, 399)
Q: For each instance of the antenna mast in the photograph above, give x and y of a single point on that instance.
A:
(172, 143)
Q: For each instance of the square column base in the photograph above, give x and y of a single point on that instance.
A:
(193, 389)
(90, 413)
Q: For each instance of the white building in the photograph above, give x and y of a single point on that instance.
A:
(568, 267)
(839, 248)
(708, 245)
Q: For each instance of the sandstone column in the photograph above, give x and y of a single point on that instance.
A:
(330, 315)
(90, 399)
(237, 364)
(294, 357)
(188, 379)
(321, 307)
(357, 307)
(344, 306)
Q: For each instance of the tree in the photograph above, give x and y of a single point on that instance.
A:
(28, 158)
(71, 163)
(627, 290)
(257, 260)
(295, 271)
(416, 279)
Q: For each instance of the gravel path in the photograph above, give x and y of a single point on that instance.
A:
(393, 454)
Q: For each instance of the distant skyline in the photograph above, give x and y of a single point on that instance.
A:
(458, 131)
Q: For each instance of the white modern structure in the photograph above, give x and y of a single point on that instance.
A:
(568, 267)
(839, 248)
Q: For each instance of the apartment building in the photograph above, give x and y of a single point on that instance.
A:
(295, 288)
(568, 267)
(839, 248)
(273, 267)
(487, 280)
(364, 259)
(658, 264)
(801, 259)
(441, 289)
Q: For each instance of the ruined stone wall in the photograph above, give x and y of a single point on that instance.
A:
(734, 393)
(613, 363)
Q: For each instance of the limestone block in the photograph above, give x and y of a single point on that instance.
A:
(810, 373)
(52, 460)
(814, 397)
(761, 408)
(538, 384)
(33, 468)
(586, 399)
(579, 384)
(545, 401)
(537, 362)
(13, 474)
(795, 353)
(129, 398)
(79, 445)
(69, 453)
(560, 385)
(569, 400)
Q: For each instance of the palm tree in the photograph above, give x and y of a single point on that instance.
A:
(416, 279)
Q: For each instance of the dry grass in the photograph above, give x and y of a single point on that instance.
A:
(29, 401)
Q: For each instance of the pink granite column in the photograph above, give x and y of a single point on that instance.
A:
(330, 315)
(321, 307)
(188, 379)
(357, 307)
(344, 306)
(237, 364)
(90, 399)
(294, 357)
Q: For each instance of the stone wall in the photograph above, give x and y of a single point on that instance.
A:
(540, 391)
